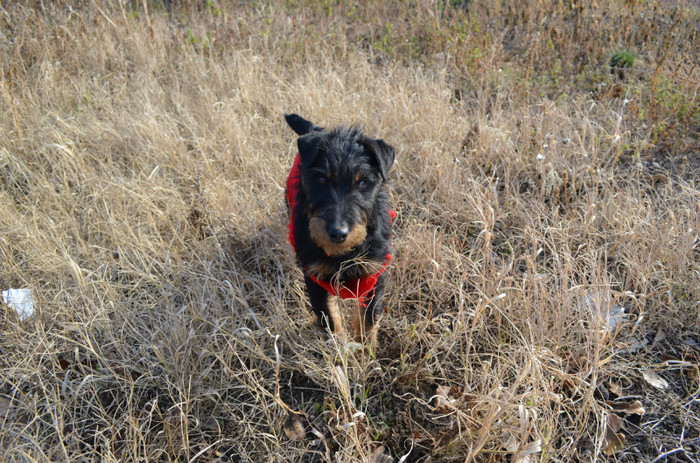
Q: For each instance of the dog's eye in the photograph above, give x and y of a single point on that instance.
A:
(362, 184)
(322, 179)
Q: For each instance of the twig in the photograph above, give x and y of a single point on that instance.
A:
(278, 360)
(664, 455)
(104, 14)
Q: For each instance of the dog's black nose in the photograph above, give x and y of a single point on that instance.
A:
(338, 234)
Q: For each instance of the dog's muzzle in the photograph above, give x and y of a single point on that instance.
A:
(338, 233)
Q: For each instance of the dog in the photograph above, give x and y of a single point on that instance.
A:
(340, 221)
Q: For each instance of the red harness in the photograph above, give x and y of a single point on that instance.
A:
(357, 288)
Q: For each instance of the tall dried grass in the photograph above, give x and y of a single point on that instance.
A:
(143, 159)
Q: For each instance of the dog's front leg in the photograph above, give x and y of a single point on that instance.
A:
(367, 316)
(324, 306)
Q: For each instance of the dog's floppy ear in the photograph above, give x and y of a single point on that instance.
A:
(308, 147)
(300, 125)
(382, 152)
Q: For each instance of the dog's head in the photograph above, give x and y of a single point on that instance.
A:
(342, 172)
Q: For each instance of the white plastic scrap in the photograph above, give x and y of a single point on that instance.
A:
(20, 300)
(601, 306)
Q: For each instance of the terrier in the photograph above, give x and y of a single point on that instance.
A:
(340, 221)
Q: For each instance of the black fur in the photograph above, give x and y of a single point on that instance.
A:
(343, 175)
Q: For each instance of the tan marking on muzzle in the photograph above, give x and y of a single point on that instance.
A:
(318, 228)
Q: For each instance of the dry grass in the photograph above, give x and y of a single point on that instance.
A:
(143, 157)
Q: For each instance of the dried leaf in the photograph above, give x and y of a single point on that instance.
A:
(445, 397)
(614, 422)
(615, 388)
(524, 452)
(634, 408)
(655, 380)
(509, 441)
(633, 347)
(533, 447)
(294, 427)
(613, 441)
(4, 407)
(379, 457)
(351, 347)
(658, 337)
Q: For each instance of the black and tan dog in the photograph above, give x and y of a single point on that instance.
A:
(340, 221)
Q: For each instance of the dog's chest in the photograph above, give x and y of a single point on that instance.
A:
(322, 269)
(343, 270)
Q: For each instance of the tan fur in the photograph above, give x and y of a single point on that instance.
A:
(366, 267)
(334, 312)
(317, 230)
(326, 271)
(361, 330)
(322, 270)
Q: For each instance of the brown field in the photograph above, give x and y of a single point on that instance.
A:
(544, 299)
